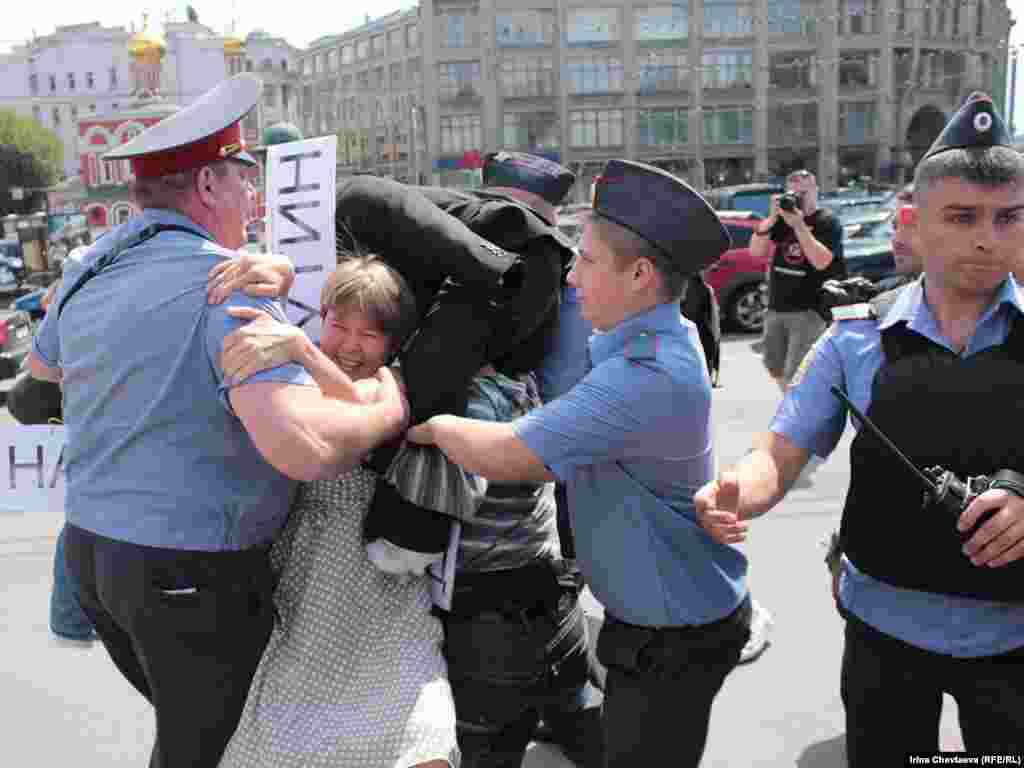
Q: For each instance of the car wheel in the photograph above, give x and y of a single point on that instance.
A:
(746, 309)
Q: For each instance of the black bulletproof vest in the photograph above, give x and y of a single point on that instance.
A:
(964, 414)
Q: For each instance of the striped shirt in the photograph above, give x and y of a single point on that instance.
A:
(514, 523)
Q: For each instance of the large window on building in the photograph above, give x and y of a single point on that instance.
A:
(721, 68)
(530, 130)
(458, 80)
(595, 74)
(596, 128)
(662, 127)
(858, 17)
(348, 54)
(396, 75)
(527, 78)
(858, 70)
(71, 81)
(413, 72)
(792, 17)
(113, 77)
(412, 36)
(453, 30)
(663, 72)
(395, 40)
(332, 60)
(663, 25)
(362, 49)
(592, 26)
(728, 18)
(790, 124)
(377, 45)
(33, 84)
(460, 133)
(792, 71)
(524, 28)
(729, 125)
(858, 122)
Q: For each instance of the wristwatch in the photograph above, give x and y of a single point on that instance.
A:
(1008, 480)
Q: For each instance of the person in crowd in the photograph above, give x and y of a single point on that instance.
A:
(33, 401)
(353, 673)
(808, 243)
(677, 611)
(932, 583)
(178, 479)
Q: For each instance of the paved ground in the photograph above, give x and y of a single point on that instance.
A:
(69, 707)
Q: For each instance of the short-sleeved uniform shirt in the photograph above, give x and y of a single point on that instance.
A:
(847, 356)
(632, 442)
(155, 455)
(568, 360)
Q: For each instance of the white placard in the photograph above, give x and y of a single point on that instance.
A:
(301, 198)
(31, 468)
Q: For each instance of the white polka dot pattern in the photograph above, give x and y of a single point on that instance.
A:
(353, 675)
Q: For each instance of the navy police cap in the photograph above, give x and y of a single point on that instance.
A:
(530, 173)
(663, 210)
(976, 125)
(207, 130)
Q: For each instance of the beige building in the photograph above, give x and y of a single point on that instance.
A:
(717, 91)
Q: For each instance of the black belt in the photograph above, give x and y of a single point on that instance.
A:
(739, 617)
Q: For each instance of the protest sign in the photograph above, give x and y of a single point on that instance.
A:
(301, 178)
(32, 471)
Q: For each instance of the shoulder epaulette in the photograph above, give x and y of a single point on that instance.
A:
(863, 311)
(643, 346)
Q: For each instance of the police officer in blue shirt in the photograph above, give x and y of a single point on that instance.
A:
(178, 478)
(933, 603)
(632, 442)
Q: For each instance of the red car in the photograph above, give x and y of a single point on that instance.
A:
(738, 279)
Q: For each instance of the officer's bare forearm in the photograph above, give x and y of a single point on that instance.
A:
(307, 436)
(486, 448)
(767, 472)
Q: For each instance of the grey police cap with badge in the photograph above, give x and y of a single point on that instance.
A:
(207, 130)
(663, 210)
(976, 125)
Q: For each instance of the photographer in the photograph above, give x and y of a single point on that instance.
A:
(808, 251)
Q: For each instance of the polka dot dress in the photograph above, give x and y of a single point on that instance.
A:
(353, 675)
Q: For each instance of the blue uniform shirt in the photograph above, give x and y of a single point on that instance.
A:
(155, 455)
(568, 360)
(632, 442)
(848, 356)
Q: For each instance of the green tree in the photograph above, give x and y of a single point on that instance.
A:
(30, 157)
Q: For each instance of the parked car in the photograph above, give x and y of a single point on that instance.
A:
(15, 341)
(867, 246)
(744, 197)
(738, 279)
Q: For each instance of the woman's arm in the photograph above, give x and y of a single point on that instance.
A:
(266, 343)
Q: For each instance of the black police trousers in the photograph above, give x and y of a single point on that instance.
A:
(892, 692)
(660, 685)
(186, 629)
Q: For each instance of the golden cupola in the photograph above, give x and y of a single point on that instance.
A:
(233, 46)
(147, 44)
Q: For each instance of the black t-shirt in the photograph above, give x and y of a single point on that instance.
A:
(795, 284)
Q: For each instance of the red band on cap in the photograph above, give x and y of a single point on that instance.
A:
(219, 146)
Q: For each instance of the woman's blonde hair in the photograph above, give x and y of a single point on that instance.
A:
(367, 283)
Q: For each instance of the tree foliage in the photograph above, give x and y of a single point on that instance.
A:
(30, 157)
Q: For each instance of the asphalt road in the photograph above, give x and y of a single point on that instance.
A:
(62, 706)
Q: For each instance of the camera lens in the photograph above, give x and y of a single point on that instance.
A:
(787, 203)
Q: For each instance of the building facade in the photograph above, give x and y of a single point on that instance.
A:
(716, 91)
(84, 72)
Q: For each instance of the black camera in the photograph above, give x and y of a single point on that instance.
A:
(791, 202)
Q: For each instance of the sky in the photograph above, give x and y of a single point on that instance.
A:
(297, 21)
